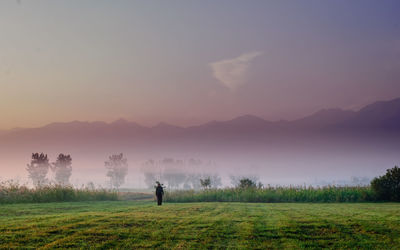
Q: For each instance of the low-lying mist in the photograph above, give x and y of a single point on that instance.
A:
(311, 165)
(328, 147)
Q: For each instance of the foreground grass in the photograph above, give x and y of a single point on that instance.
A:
(141, 224)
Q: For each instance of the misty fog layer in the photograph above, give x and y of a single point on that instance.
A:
(324, 147)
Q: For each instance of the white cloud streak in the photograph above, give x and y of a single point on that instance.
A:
(232, 73)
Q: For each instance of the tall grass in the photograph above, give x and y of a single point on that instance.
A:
(11, 192)
(276, 194)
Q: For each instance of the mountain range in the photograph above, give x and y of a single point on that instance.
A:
(383, 116)
(380, 119)
(330, 142)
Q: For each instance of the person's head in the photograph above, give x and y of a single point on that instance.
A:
(158, 184)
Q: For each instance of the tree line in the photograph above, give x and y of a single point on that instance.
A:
(180, 173)
(40, 165)
(173, 173)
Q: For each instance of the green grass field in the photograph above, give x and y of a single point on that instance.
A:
(141, 224)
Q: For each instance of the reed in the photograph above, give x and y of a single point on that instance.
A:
(276, 194)
(11, 192)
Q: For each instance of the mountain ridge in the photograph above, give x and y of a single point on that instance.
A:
(378, 115)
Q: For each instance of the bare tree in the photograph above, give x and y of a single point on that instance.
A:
(117, 167)
(62, 169)
(38, 169)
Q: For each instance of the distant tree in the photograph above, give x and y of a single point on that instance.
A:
(194, 162)
(171, 172)
(150, 179)
(38, 169)
(205, 183)
(236, 180)
(246, 183)
(359, 181)
(62, 169)
(117, 167)
(177, 173)
(152, 172)
(192, 181)
(387, 187)
(174, 176)
(215, 181)
(168, 161)
(90, 185)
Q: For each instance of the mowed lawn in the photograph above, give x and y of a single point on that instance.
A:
(141, 224)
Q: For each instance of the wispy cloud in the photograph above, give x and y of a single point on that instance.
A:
(232, 73)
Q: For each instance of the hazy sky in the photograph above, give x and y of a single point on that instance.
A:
(186, 62)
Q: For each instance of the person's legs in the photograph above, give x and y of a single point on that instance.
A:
(159, 200)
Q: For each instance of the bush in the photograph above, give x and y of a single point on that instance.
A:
(247, 183)
(387, 187)
(205, 183)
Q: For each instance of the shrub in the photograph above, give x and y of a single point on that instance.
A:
(387, 187)
(247, 183)
(205, 183)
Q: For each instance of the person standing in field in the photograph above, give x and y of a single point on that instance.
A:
(159, 193)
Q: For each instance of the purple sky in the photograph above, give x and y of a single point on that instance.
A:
(187, 62)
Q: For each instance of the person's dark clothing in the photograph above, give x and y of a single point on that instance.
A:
(159, 194)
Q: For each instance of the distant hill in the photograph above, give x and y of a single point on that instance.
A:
(382, 117)
(324, 118)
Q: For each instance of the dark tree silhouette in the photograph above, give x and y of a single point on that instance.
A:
(387, 187)
(247, 183)
(62, 169)
(205, 183)
(236, 181)
(210, 181)
(117, 167)
(38, 169)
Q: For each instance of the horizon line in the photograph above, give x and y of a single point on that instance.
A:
(198, 124)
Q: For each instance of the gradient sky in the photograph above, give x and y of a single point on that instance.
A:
(187, 62)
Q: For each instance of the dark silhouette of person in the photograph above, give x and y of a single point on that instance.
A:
(159, 193)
